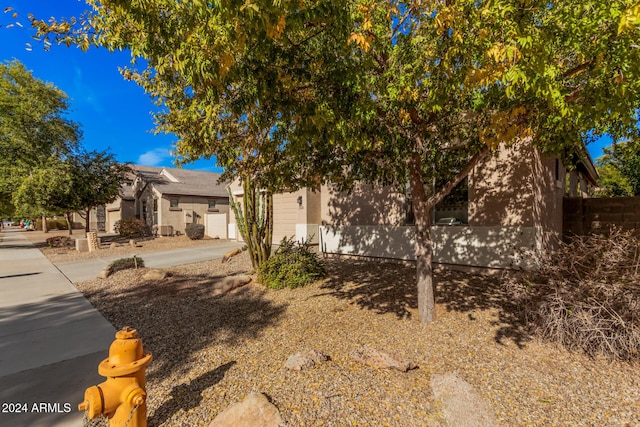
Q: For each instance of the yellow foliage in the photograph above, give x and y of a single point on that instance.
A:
(505, 127)
(226, 62)
(444, 18)
(630, 19)
(405, 117)
(361, 40)
(274, 31)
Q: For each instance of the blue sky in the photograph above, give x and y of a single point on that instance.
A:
(114, 114)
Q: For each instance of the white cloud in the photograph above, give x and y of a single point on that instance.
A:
(154, 157)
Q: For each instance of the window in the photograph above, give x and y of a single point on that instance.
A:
(173, 203)
(212, 204)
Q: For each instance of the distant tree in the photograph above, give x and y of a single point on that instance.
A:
(619, 169)
(46, 191)
(32, 128)
(97, 179)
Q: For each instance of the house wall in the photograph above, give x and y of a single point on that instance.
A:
(515, 213)
(190, 209)
(117, 210)
(290, 219)
(501, 188)
(549, 188)
(365, 205)
(481, 246)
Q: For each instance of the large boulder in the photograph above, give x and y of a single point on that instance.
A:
(381, 360)
(254, 411)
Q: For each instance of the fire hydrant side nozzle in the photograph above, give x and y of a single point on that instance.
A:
(122, 397)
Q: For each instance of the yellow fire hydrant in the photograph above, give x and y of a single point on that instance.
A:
(122, 397)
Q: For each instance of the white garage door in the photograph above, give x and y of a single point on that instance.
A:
(216, 225)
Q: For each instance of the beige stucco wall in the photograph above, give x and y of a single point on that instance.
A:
(517, 186)
(488, 247)
(290, 219)
(118, 210)
(501, 188)
(365, 205)
(190, 209)
(195, 206)
(548, 195)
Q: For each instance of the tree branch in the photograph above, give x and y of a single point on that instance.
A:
(446, 189)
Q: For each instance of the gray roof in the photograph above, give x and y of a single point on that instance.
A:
(187, 182)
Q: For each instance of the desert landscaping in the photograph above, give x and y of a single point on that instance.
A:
(211, 350)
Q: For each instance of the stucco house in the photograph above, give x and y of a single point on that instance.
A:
(511, 215)
(167, 199)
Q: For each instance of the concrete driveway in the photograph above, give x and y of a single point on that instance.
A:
(78, 271)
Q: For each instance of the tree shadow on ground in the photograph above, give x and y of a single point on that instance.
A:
(188, 396)
(390, 287)
(180, 315)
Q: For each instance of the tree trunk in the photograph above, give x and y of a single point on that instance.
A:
(67, 216)
(422, 206)
(86, 227)
(424, 249)
(44, 224)
(254, 219)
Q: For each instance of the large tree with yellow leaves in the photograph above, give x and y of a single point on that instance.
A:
(300, 92)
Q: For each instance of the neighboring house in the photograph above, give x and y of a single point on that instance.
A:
(168, 199)
(171, 198)
(513, 212)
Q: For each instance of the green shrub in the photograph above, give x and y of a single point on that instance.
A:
(194, 231)
(292, 265)
(125, 263)
(130, 227)
(60, 242)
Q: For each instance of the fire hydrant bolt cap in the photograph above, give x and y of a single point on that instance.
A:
(127, 333)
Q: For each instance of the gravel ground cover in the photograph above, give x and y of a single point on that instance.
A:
(210, 351)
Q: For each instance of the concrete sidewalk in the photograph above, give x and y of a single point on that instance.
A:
(78, 271)
(51, 339)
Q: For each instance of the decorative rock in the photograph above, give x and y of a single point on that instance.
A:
(106, 272)
(230, 254)
(229, 283)
(461, 404)
(155, 274)
(113, 245)
(254, 411)
(378, 359)
(301, 361)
